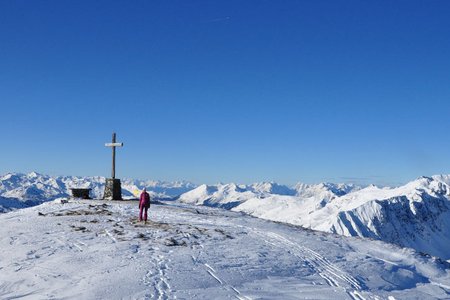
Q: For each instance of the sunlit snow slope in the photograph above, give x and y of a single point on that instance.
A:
(96, 250)
(415, 215)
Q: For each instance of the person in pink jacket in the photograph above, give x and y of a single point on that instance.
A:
(144, 204)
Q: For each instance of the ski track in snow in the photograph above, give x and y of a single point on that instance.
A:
(198, 259)
(332, 275)
(237, 294)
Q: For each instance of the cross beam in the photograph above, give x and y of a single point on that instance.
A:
(113, 145)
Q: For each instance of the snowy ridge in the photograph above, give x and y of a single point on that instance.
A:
(221, 195)
(232, 195)
(157, 188)
(415, 215)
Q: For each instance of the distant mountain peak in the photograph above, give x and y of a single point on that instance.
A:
(39, 188)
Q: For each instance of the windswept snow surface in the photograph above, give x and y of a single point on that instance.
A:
(96, 250)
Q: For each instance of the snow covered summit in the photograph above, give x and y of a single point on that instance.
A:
(96, 250)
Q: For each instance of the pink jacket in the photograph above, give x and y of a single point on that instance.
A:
(144, 201)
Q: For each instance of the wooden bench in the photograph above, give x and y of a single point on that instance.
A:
(81, 193)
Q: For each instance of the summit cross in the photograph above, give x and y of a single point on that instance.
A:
(113, 145)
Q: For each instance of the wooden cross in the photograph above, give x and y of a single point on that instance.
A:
(113, 145)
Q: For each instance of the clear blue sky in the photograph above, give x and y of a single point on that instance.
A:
(239, 91)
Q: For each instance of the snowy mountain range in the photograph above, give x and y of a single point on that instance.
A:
(416, 215)
(233, 195)
(21, 190)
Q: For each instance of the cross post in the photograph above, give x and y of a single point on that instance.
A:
(113, 189)
(113, 145)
